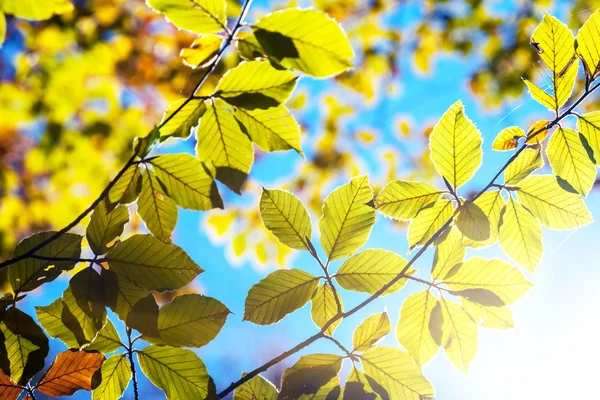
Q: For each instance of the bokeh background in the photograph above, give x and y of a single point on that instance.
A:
(77, 88)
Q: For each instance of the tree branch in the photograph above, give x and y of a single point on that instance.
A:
(132, 364)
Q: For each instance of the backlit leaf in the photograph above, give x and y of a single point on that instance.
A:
(71, 371)
(324, 307)
(9, 390)
(107, 340)
(537, 132)
(358, 387)
(308, 375)
(256, 388)
(448, 253)
(279, 294)
(541, 96)
(588, 46)
(347, 219)
(286, 217)
(589, 126)
(371, 331)
(50, 317)
(455, 145)
(412, 330)
(151, 264)
(183, 115)
(489, 317)
(105, 226)
(403, 200)
(36, 9)
(305, 40)
(121, 294)
(198, 16)
(16, 351)
(127, 187)
(508, 138)
(202, 51)
(526, 162)
(554, 206)
(116, 373)
(491, 203)
(156, 209)
(143, 317)
(473, 222)
(459, 338)
(521, 236)
(428, 221)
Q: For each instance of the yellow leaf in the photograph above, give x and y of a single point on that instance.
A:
(256, 388)
(127, 187)
(496, 276)
(279, 294)
(305, 40)
(449, 252)
(473, 222)
(508, 138)
(428, 221)
(588, 46)
(589, 126)
(317, 369)
(198, 16)
(324, 308)
(105, 226)
(403, 200)
(202, 51)
(285, 216)
(570, 160)
(554, 206)
(156, 209)
(35, 9)
(347, 219)
(537, 132)
(489, 317)
(491, 204)
(455, 145)
(188, 114)
(541, 96)
(371, 331)
(222, 144)
(2, 28)
(412, 330)
(369, 270)
(526, 162)
(459, 335)
(521, 236)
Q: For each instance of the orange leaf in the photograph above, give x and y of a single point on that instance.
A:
(8, 389)
(508, 139)
(540, 136)
(72, 370)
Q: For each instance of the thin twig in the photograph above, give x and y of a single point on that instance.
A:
(341, 346)
(327, 277)
(132, 364)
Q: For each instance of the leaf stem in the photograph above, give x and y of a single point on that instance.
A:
(327, 276)
(132, 364)
(341, 346)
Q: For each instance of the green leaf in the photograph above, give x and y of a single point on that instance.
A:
(347, 219)
(272, 129)
(191, 320)
(358, 387)
(327, 391)
(403, 200)
(309, 375)
(178, 372)
(198, 16)
(554, 206)
(589, 126)
(526, 162)
(187, 115)
(497, 276)
(256, 84)
(508, 138)
(202, 51)
(305, 40)
(105, 226)
(71, 371)
(455, 145)
(256, 388)
(116, 373)
(397, 373)
(473, 222)
(50, 317)
(489, 317)
(588, 46)
(286, 217)
(449, 252)
(521, 236)
(570, 161)
(107, 340)
(428, 221)
(491, 203)
(187, 181)
(156, 209)
(121, 294)
(459, 338)
(412, 330)
(143, 317)
(39, 10)
(324, 307)
(369, 270)
(151, 264)
(25, 346)
(222, 144)
(31, 273)
(280, 293)
(9, 390)
(127, 187)
(371, 331)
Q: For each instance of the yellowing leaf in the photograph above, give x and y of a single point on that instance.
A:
(202, 51)
(473, 222)
(127, 188)
(588, 46)
(324, 308)
(403, 200)
(105, 226)
(187, 181)
(198, 16)
(305, 40)
(554, 206)
(508, 138)
(181, 116)
(256, 388)
(71, 371)
(280, 293)
(570, 161)
(489, 317)
(521, 236)
(428, 221)
(397, 372)
(272, 129)
(371, 331)
(156, 209)
(347, 219)
(9, 390)
(222, 144)
(256, 84)
(285, 216)
(491, 204)
(589, 126)
(537, 132)
(412, 330)
(459, 337)
(497, 276)
(526, 162)
(369, 270)
(36, 9)
(455, 145)
(116, 373)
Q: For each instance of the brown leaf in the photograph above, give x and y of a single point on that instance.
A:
(72, 370)
(8, 389)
